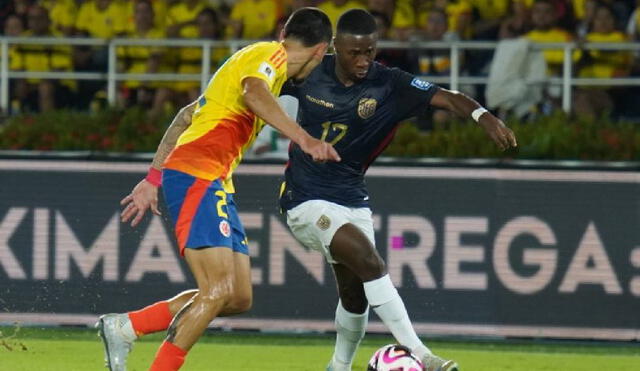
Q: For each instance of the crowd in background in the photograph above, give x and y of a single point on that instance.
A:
(610, 21)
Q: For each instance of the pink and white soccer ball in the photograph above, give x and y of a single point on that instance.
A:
(394, 357)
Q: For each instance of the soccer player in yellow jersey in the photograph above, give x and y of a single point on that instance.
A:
(196, 158)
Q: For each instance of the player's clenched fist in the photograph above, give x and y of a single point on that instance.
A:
(319, 150)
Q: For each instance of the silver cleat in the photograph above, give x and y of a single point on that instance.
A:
(116, 346)
(434, 363)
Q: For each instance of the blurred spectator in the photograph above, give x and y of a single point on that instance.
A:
(190, 59)
(144, 59)
(62, 14)
(17, 8)
(253, 19)
(101, 18)
(544, 18)
(633, 26)
(401, 15)
(585, 16)
(335, 8)
(160, 9)
(14, 27)
(436, 62)
(181, 18)
(390, 57)
(36, 94)
(518, 21)
(458, 12)
(592, 101)
(489, 15)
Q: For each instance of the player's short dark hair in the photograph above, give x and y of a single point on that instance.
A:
(357, 22)
(311, 26)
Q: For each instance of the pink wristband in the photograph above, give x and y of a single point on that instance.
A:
(154, 176)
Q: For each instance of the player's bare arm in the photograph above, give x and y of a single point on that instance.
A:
(464, 106)
(145, 194)
(261, 102)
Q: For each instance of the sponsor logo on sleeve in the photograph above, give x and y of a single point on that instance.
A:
(420, 84)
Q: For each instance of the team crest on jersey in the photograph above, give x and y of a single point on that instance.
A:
(367, 107)
(225, 228)
(323, 222)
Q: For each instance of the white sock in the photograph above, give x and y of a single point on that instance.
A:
(350, 329)
(385, 301)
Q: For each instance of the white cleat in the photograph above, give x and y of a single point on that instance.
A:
(116, 345)
(337, 366)
(434, 363)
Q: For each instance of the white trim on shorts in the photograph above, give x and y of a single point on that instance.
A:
(315, 222)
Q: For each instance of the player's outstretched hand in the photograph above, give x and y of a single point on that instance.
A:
(319, 150)
(499, 132)
(144, 196)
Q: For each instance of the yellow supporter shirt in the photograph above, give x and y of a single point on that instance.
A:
(491, 9)
(334, 12)
(454, 11)
(258, 17)
(62, 14)
(105, 23)
(222, 126)
(180, 13)
(403, 15)
(41, 58)
(553, 57)
(607, 63)
(136, 58)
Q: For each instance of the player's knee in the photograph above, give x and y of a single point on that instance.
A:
(241, 303)
(354, 303)
(375, 267)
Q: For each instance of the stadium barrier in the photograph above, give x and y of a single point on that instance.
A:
(567, 81)
(498, 252)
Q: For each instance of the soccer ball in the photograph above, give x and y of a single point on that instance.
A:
(394, 357)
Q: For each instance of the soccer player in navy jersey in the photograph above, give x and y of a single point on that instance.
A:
(355, 104)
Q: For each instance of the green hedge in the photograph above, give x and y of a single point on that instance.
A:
(552, 137)
(109, 130)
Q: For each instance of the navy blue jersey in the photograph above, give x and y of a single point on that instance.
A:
(359, 120)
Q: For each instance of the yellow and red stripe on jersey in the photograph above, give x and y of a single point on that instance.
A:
(222, 126)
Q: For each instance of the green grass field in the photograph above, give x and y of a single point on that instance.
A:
(35, 349)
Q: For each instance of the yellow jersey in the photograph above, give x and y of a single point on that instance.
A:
(607, 63)
(553, 57)
(491, 9)
(136, 58)
(334, 12)
(258, 17)
(222, 126)
(62, 14)
(42, 58)
(105, 23)
(180, 13)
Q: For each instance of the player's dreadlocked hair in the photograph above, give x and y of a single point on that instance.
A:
(311, 26)
(357, 22)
